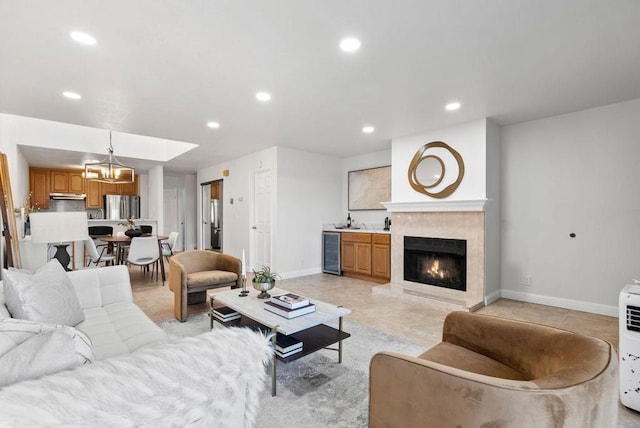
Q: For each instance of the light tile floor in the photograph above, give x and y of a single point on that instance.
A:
(411, 321)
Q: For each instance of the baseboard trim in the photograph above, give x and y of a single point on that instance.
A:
(490, 298)
(299, 273)
(576, 305)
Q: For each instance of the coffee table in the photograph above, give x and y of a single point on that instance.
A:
(309, 328)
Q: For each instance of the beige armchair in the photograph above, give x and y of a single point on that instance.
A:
(192, 273)
(493, 372)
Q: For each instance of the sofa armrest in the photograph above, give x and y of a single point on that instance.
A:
(405, 391)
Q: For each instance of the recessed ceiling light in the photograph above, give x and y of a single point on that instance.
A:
(350, 44)
(263, 96)
(214, 125)
(453, 106)
(72, 95)
(368, 129)
(83, 38)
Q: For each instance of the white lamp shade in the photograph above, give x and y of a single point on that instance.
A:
(58, 227)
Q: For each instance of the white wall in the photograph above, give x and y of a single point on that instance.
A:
(184, 183)
(18, 167)
(574, 173)
(354, 163)
(309, 194)
(468, 139)
(156, 195)
(238, 185)
(492, 212)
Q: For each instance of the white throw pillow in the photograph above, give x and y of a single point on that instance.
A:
(46, 296)
(29, 350)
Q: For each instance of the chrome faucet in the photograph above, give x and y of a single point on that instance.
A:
(101, 211)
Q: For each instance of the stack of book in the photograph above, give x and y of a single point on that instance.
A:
(287, 345)
(289, 305)
(225, 314)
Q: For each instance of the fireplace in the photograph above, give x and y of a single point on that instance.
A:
(435, 261)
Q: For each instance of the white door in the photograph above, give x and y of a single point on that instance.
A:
(262, 219)
(170, 211)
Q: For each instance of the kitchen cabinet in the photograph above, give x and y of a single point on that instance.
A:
(129, 188)
(66, 181)
(76, 182)
(94, 195)
(381, 256)
(366, 256)
(110, 188)
(59, 181)
(39, 186)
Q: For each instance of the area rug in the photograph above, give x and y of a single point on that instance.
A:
(316, 391)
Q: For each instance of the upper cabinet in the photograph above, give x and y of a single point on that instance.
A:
(43, 181)
(64, 181)
(39, 187)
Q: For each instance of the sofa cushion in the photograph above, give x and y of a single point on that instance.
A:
(462, 358)
(4, 312)
(46, 296)
(29, 349)
(119, 328)
(210, 277)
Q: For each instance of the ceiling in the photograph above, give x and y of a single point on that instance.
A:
(165, 68)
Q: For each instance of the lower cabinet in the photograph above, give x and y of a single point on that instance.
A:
(366, 256)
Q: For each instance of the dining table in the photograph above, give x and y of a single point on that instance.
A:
(120, 241)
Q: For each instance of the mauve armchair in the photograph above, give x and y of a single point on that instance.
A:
(494, 372)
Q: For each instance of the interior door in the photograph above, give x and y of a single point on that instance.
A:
(206, 216)
(262, 219)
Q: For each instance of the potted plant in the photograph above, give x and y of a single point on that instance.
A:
(264, 280)
(132, 230)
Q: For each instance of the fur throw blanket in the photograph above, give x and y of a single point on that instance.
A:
(211, 380)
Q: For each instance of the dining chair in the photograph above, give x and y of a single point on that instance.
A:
(96, 256)
(96, 231)
(144, 252)
(169, 245)
(146, 229)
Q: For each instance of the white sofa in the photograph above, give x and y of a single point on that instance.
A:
(142, 378)
(112, 321)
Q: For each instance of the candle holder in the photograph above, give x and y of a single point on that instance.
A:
(244, 291)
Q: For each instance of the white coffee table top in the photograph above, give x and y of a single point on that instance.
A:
(253, 308)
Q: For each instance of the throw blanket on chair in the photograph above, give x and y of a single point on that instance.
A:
(211, 380)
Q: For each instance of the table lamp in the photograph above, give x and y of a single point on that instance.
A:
(59, 229)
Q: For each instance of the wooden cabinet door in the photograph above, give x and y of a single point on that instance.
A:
(59, 181)
(76, 182)
(94, 194)
(381, 261)
(110, 189)
(363, 258)
(348, 256)
(39, 187)
(129, 188)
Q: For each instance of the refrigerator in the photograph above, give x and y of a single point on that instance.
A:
(118, 207)
(216, 224)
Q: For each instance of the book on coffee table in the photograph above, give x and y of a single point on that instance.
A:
(225, 314)
(290, 301)
(288, 354)
(289, 313)
(286, 344)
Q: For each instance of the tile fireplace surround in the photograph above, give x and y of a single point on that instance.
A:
(467, 225)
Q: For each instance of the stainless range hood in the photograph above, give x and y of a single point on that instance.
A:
(68, 196)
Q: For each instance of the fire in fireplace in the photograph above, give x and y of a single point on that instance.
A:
(436, 261)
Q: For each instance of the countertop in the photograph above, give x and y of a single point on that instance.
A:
(106, 220)
(381, 232)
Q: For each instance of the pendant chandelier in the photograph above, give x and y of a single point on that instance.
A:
(109, 170)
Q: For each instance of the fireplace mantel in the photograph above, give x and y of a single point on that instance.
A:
(437, 206)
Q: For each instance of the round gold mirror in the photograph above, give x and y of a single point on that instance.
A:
(427, 171)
